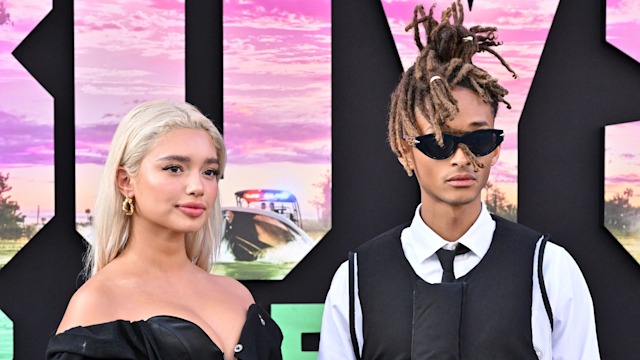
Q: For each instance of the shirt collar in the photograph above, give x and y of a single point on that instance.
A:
(426, 242)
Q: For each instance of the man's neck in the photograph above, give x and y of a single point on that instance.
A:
(450, 222)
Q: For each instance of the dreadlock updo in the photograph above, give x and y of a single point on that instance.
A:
(444, 63)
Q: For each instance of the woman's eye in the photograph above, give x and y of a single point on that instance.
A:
(173, 168)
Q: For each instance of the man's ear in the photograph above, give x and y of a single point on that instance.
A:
(407, 161)
(123, 180)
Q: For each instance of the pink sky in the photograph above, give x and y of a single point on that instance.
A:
(26, 115)
(523, 26)
(126, 52)
(622, 160)
(277, 81)
(623, 26)
(622, 154)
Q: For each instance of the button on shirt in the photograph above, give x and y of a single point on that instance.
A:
(574, 333)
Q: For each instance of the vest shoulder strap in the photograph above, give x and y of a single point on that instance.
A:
(543, 289)
(352, 306)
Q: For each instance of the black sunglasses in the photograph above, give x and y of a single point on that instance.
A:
(480, 142)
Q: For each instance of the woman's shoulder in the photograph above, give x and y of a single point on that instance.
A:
(231, 287)
(91, 304)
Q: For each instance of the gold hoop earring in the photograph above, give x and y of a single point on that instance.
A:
(127, 206)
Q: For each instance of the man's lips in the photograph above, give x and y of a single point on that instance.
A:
(461, 180)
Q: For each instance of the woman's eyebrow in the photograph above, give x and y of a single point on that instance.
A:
(178, 158)
(186, 159)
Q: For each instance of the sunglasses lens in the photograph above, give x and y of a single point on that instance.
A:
(483, 142)
(429, 146)
(480, 142)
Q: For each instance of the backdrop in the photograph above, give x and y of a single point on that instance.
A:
(582, 84)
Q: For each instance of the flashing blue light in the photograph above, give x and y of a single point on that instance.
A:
(283, 195)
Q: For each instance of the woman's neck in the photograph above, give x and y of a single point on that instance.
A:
(156, 249)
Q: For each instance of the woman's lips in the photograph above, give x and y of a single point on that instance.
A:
(192, 209)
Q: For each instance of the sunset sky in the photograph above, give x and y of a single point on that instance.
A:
(26, 117)
(622, 160)
(622, 153)
(277, 88)
(623, 26)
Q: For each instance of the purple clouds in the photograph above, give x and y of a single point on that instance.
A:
(24, 142)
(623, 26)
(277, 65)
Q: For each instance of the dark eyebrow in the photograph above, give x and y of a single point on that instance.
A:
(479, 123)
(186, 159)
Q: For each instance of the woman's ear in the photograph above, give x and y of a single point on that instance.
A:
(123, 180)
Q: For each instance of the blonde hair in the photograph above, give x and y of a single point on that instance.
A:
(140, 129)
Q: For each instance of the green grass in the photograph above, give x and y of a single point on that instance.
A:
(8, 248)
(253, 270)
(632, 244)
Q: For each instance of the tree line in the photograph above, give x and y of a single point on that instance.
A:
(620, 216)
(12, 225)
(496, 202)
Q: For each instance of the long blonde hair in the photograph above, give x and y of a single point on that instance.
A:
(140, 129)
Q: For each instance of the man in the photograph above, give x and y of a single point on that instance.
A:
(456, 282)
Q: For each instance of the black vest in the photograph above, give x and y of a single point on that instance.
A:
(485, 314)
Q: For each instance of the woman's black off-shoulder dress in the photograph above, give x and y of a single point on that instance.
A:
(165, 337)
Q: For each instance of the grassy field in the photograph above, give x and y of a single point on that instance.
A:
(251, 270)
(8, 248)
(632, 244)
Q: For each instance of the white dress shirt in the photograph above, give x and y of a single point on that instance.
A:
(574, 330)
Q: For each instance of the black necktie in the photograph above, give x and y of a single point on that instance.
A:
(446, 260)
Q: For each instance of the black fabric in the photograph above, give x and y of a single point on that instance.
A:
(386, 305)
(485, 314)
(446, 258)
(164, 337)
(437, 304)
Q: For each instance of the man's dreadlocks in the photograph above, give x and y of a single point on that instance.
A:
(445, 62)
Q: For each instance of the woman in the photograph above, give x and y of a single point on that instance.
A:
(157, 226)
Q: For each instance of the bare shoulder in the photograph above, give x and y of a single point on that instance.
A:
(233, 289)
(90, 304)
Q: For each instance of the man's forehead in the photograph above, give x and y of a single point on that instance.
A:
(424, 127)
